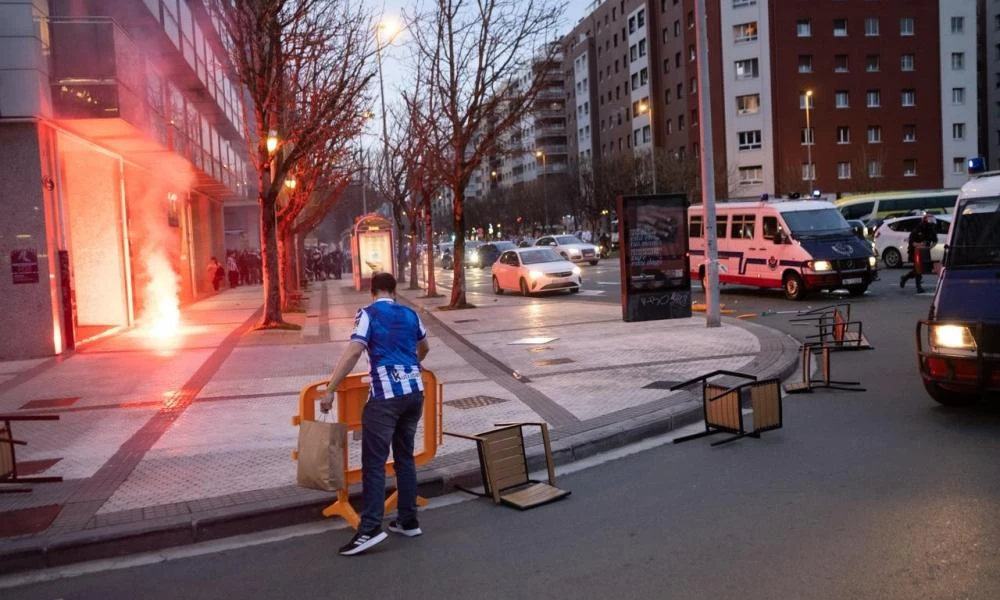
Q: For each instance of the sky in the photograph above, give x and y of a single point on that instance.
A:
(395, 58)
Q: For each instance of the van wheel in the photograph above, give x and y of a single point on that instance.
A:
(496, 286)
(892, 258)
(948, 397)
(857, 290)
(524, 287)
(593, 263)
(794, 288)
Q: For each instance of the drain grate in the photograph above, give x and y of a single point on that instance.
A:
(539, 349)
(660, 385)
(474, 402)
(549, 362)
(466, 321)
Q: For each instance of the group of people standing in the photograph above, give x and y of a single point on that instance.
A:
(325, 265)
(242, 267)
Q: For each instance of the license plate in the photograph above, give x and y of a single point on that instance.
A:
(853, 281)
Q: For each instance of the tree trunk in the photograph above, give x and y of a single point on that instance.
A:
(458, 281)
(269, 243)
(429, 234)
(286, 266)
(414, 284)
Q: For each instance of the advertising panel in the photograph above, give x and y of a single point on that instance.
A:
(375, 251)
(653, 243)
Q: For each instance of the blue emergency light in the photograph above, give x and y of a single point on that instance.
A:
(976, 165)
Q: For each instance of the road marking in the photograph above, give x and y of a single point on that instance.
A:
(591, 292)
(608, 282)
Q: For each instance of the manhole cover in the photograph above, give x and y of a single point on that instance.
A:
(466, 321)
(660, 385)
(548, 362)
(474, 402)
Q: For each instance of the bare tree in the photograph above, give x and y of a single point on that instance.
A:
(306, 66)
(473, 54)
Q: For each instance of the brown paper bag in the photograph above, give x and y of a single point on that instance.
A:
(322, 455)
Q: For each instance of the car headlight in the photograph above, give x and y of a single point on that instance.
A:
(535, 274)
(872, 261)
(577, 271)
(574, 251)
(952, 337)
(820, 265)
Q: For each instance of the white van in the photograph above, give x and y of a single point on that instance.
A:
(799, 246)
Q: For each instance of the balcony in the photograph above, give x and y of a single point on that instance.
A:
(551, 93)
(104, 91)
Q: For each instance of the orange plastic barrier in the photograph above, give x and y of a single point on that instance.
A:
(352, 395)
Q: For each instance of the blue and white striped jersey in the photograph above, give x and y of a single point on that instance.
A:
(390, 333)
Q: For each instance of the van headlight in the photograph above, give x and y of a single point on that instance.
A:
(820, 265)
(872, 261)
(952, 337)
(535, 274)
(577, 271)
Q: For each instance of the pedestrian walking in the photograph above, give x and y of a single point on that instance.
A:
(396, 343)
(234, 271)
(919, 244)
(215, 272)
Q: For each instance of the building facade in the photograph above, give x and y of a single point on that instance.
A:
(125, 141)
(891, 90)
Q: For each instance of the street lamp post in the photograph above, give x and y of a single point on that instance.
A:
(645, 110)
(385, 29)
(545, 199)
(809, 142)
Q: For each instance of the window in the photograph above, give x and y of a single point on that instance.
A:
(909, 133)
(872, 63)
(909, 167)
(906, 62)
(958, 165)
(958, 131)
(906, 26)
(745, 32)
(642, 47)
(680, 123)
(873, 99)
(695, 226)
(720, 225)
(843, 134)
(742, 227)
(692, 53)
(805, 63)
(909, 98)
(693, 86)
(748, 104)
(631, 25)
(957, 61)
(843, 170)
(750, 176)
(808, 172)
(740, 3)
(958, 24)
(641, 18)
(874, 134)
(633, 53)
(871, 26)
(958, 95)
(749, 140)
(803, 98)
(841, 99)
(769, 227)
(840, 63)
(643, 76)
(840, 28)
(747, 69)
(807, 136)
(803, 28)
(874, 169)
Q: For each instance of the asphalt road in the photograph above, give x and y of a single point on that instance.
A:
(881, 494)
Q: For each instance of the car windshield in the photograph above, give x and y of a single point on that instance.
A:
(562, 240)
(504, 246)
(540, 255)
(815, 223)
(975, 239)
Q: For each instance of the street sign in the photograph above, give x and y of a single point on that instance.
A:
(655, 268)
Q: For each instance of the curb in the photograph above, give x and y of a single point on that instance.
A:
(157, 534)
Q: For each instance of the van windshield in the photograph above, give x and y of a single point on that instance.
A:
(975, 239)
(816, 223)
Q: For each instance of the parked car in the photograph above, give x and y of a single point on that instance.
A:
(526, 243)
(491, 251)
(531, 270)
(570, 247)
(472, 253)
(891, 239)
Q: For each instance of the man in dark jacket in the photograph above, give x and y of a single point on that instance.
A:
(921, 240)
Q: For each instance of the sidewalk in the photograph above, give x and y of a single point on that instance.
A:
(162, 446)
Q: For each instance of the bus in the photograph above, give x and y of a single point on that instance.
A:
(883, 205)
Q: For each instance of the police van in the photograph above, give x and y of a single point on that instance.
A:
(797, 245)
(958, 345)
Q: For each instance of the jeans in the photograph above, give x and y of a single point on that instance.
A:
(392, 420)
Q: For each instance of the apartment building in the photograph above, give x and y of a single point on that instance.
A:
(891, 90)
(124, 143)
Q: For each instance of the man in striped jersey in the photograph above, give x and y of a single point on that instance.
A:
(396, 342)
